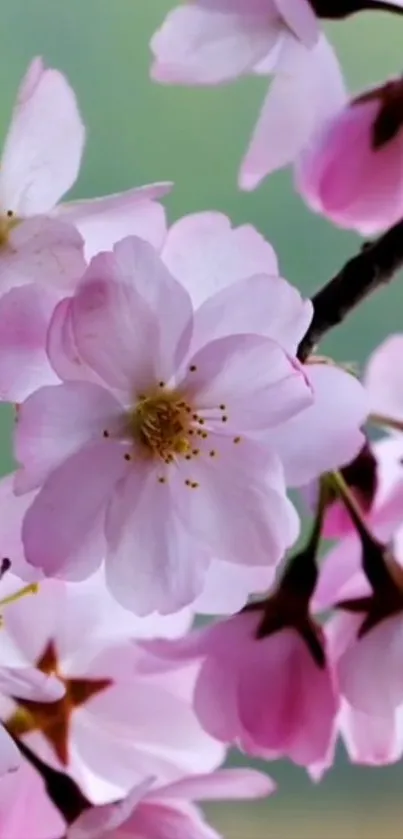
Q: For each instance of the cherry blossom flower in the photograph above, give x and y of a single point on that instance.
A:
(158, 421)
(19, 678)
(209, 256)
(118, 720)
(351, 171)
(215, 41)
(364, 636)
(42, 243)
(272, 694)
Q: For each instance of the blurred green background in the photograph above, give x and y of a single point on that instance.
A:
(140, 132)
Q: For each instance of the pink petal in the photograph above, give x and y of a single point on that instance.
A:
(31, 684)
(126, 304)
(277, 390)
(221, 785)
(339, 569)
(104, 221)
(99, 821)
(300, 17)
(203, 43)
(340, 175)
(370, 740)
(45, 141)
(13, 509)
(227, 587)
(259, 304)
(152, 562)
(307, 90)
(168, 821)
(383, 378)
(25, 809)
(45, 251)
(297, 718)
(45, 610)
(328, 433)
(55, 422)
(62, 348)
(370, 670)
(63, 528)
(24, 319)
(239, 509)
(206, 254)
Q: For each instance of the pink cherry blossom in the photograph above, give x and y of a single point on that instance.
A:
(368, 660)
(351, 171)
(40, 249)
(119, 720)
(208, 256)
(20, 679)
(164, 812)
(215, 41)
(267, 694)
(152, 425)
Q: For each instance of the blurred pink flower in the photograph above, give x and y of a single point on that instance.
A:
(267, 693)
(168, 812)
(352, 169)
(215, 41)
(25, 809)
(157, 448)
(116, 719)
(39, 246)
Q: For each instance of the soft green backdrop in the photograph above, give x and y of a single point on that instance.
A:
(140, 132)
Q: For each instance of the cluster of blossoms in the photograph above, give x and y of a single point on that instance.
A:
(165, 404)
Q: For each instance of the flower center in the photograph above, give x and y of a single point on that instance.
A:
(7, 222)
(53, 718)
(161, 424)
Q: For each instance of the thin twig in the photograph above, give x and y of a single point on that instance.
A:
(373, 267)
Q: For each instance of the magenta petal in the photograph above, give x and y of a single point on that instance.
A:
(297, 718)
(63, 528)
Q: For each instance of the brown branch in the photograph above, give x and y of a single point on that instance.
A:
(372, 268)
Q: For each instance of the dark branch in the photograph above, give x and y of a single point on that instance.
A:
(62, 790)
(375, 266)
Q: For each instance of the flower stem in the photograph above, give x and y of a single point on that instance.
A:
(374, 553)
(374, 266)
